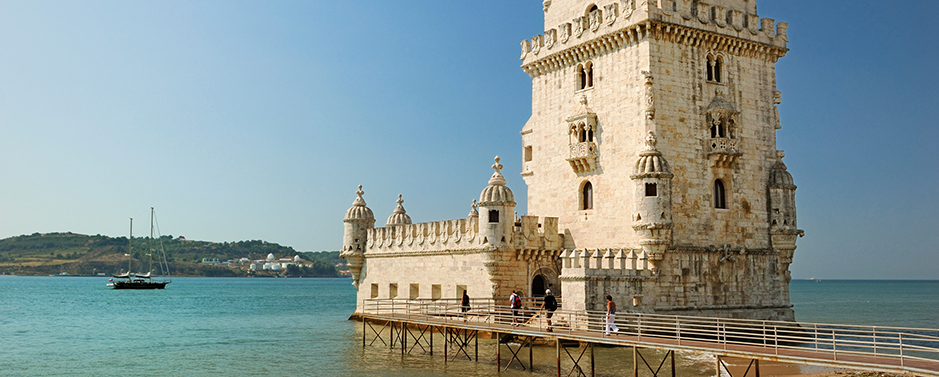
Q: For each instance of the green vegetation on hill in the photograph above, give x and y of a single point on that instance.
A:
(77, 254)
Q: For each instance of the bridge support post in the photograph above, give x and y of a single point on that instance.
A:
(498, 352)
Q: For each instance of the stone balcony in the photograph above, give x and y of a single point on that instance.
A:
(723, 151)
(583, 157)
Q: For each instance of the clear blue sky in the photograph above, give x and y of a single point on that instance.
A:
(257, 120)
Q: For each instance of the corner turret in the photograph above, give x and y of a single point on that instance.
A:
(496, 210)
(359, 219)
(782, 199)
(653, 220)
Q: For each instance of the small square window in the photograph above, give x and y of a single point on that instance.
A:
(374, 290)
(392, 290)
(528, 153)
(651, 189)
(493, 216)
(415, 291)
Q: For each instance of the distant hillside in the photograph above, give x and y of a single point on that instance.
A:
(77, 254)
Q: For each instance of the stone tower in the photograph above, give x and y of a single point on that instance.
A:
(358, 221)
(653, 131)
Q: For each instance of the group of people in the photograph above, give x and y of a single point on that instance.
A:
(548, 305)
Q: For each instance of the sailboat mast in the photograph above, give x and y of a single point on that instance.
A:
(130, 247)
(150, 244)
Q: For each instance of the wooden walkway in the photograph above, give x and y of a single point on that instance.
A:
(891, 350)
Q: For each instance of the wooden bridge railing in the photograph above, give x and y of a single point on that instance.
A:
(907, 349)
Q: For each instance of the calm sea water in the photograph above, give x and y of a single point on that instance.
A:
(76, 326)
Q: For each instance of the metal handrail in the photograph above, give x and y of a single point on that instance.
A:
(837, 342)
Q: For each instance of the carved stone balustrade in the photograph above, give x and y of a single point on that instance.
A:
(583, 157)
(723, 151)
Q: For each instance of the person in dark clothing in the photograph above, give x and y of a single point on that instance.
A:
(550, 304)
(465, 304)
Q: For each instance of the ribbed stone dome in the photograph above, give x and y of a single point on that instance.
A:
(721, 105)
(359, 211)
(779, 176)
(496, 192)
(399, 217)
(651, 164)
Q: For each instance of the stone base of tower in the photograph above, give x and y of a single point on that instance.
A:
(695, 281)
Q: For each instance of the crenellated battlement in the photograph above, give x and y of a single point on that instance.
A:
(605, 262)
(611, 26)
(437, 235)
(529, 236)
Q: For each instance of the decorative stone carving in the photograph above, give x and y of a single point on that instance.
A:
(777, 99)
(536, 43)
(581, 129)
(550, 38)
(736, 19)
(721, 123)
(720, 15)
(650, 95)
(611, 13)
(526, 47)
(766, 25)
(546, 4)
(564, 31)
(704, 12)
(781, 28)
(684, 9)
(628, 7)
(594, 18)
(578, 26)
(666, 6)
(753, 23)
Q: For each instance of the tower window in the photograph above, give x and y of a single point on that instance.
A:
(719, 201)
(651, 189)
(587, 196)
(583, 132)
(717, 129)
(714, 66)
(493, 216)
(585, 75)
(527, 153)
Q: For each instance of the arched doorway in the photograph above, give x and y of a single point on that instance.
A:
(538, 286)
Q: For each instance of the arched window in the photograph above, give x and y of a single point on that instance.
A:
(581, 77)
(710, 67)
(587, 196)
(717, 128)
(584, 76)
(719, 201)
(589, 73)
(714, 66)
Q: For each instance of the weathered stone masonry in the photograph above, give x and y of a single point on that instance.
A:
(651, 152)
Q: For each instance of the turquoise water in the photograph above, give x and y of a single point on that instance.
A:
(76, 326)
(904, 303)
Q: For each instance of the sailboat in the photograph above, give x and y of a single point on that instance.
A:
(130, 280)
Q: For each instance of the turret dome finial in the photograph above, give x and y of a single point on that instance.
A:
(399, 216)
(359, 209)
(497, 178)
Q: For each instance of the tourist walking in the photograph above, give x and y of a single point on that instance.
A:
(549, 305)
(610, 315)
(464, 304)
(516, 302)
